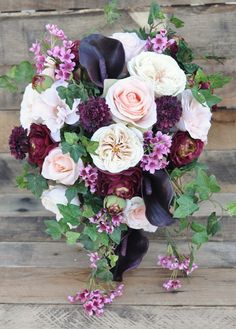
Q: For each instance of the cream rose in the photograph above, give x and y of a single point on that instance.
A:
(134, 215)
(61, 167)
(50, 67)
(132, 44)
(196, 118)
(119, 148)
(162, 70)
(54, 196)
(132, 100)
(28, 114)
(53, 111)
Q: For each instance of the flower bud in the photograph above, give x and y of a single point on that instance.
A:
(114, 204)
(41, 82)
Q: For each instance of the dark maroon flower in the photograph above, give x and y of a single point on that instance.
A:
(75, 50)
(204, 85)
(169, 111)
(124, 185)
(40, 142)
(184, 149)
(18, 142)
(102, 57)
(94, 114)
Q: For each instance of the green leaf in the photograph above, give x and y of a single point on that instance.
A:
(73, 91)
(72, 237)
(91, 146)
(200, 238)
(23, 72)
(218, 80)
(186, 206)
(155, 13)
(113, 260)
(36, 184)
(183, 224)
(198, 95)
(53, 229)
(111, 11)
(88, 243)
(76, 150)
(200, 76)
(197, 227)
(210, 98)
(116, 235)
(92, 232)
(104, 238)
(7, 83)
(71, 213)
(205, 184)
(190, 68)
(176, 21)
(71, 193)
(104, 275)
(231, 208)
(71, 138)
(213, 224)
(88, 211)
(184, 54)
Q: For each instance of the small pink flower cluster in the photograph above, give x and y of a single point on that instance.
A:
(62, 54)
(159, 43)
(95, 300)
(93, 257)
(39, 58)
(172, 263)
(156, 148)
(172, 284)
(89, 175)
(106, 222)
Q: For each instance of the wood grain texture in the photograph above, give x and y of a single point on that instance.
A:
(214, 22)
(222, 135)
(207, 287)
(19, 5)
(51, 254)
(129, 317)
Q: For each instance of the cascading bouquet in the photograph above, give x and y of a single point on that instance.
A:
(110, 128)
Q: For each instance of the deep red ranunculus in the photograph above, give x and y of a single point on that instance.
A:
(40, 142)
(125, 184)
(184, 149)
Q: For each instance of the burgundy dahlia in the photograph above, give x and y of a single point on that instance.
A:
(125, 184)
(94, 114)
(19, 143)
(40, 143)
(169, 111)
(184, 149)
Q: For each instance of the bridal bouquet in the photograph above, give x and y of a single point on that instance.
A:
(111, 131)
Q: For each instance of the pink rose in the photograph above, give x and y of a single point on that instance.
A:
(132, 100)
(135, 217)
(61, 167)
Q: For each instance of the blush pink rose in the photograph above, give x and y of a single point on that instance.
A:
(132, 100)
(135, 217)
(61, 167)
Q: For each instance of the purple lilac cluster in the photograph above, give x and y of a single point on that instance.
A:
(89, 175)
(106, 222)
(172, 263)
(61, 52)
(93, 257)
(156, 148)
(19, 143)
(172, 284)
(95, 300)
(159, 43)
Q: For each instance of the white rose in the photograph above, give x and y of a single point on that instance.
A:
(61, 167)
(56, 195)
(28, 114)
(53, 111)
(134, 215)
(162, 70)
(132, 44)
(196, 118)
(119, 148)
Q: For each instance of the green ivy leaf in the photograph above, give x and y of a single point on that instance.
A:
(213, 224)
(176, 21)
(91, 231)
(111, 11)
(116, 235)
(91, 146)
(71, 138)
(73, 91)
(76, 150)
(104, 238)
(231, 208)
(72, 237)
(71, 213)
(88, 211)
(155, 13)
(113, 260)
(200, 238)
(183, 224)
(184, 54)
(205, 184)
(71, 193)
(104, 275)
(197, 227)
(186, 206)
(218, 80)
(23, 72)
(210, 98)
(53, 229)
(36, 184)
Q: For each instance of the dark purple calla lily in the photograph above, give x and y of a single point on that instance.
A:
(157, 192)
(131, 250)
(102, 57)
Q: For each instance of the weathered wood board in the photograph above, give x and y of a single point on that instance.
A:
(61, 255)
(207, 287)
(38, 316)
(10, 6)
